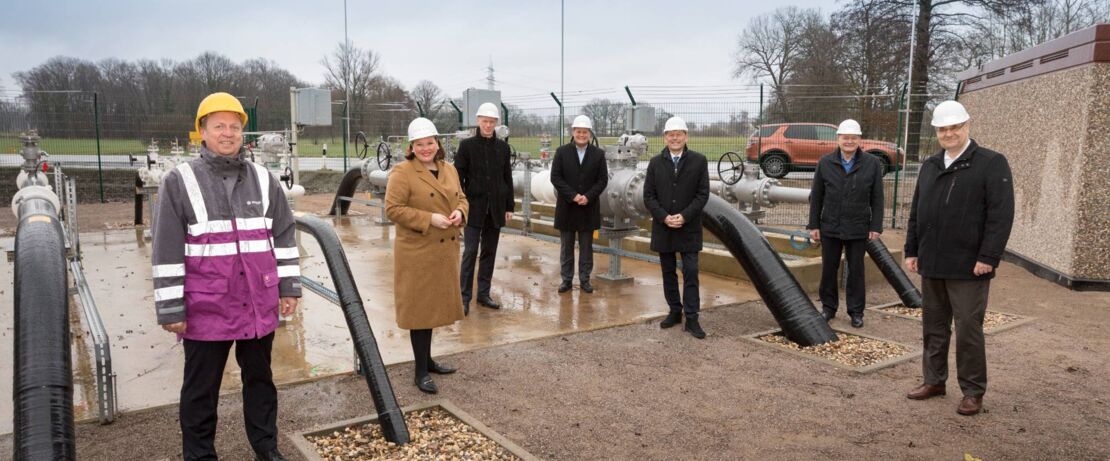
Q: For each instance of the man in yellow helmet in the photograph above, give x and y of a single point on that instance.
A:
(224, 261)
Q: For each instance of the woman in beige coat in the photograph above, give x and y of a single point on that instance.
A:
(424, 198)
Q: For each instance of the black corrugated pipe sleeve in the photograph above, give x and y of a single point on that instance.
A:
(894, 274)
(347, 188)
(43, 388)
(389, 413)
(780, 291)
(139, 200)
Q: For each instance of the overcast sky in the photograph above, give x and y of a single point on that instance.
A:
(609, 44)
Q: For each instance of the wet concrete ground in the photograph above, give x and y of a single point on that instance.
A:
(315, 341)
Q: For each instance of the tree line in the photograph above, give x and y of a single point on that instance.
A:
(864, 51)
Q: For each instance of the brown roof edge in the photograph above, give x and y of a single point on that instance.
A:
(1077, 48)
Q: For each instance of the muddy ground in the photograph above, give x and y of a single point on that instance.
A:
(638, 392)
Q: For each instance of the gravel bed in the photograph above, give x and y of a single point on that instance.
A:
(435, 434)
(851, 350)
(991, 320)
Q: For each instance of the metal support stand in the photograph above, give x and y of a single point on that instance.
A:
(526, 199)
(616, 238)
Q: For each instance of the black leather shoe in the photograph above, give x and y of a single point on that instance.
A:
(694, 328)
(272, 455)
(486, 301)
(564, 287)
(466, 309)
(674, 318)
(585, 286)
(828, 314)
(857, 321)
(426, 385)
(440, 369)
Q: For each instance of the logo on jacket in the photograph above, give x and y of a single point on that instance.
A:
(254, 202)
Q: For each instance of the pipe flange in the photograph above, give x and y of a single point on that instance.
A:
(32, 193)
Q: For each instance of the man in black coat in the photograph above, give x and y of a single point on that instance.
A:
(960, 220)
(579, 175)
(676, 189)
(845, 211)
(485, 171)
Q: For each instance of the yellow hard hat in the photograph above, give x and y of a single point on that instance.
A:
(220, 102)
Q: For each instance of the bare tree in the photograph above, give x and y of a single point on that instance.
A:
(607, 116)
(429, 98)
(769, 48)
(351, 70)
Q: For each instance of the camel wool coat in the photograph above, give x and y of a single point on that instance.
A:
(425, 258)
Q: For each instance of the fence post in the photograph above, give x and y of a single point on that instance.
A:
(561, 117)
(344, 135)
(631, 123)
(96, 122)
(459, 111)
(759, 139)
(898, 171)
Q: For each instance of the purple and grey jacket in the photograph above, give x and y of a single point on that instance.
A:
(224, 249)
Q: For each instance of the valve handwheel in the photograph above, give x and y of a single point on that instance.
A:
(385, 157)
(361, 146)
(730, 168)
(514, 156)
(287, 177)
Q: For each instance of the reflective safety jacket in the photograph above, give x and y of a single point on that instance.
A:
(224, 249)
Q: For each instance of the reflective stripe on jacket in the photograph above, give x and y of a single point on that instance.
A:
(221, 260)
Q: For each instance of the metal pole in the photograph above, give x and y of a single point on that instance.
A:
(562, 65)
(631, 123)
(96, 121)
(560, 103)
(759, 139)
(898, 172)
(346, 136)
(346, 91)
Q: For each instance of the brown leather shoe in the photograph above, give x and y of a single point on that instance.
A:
(970, 406)
(926, 391)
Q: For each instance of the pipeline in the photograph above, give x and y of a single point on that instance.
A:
(390, 417)
(780, 291)
(894, 274)
(43, 388)
(347, 187)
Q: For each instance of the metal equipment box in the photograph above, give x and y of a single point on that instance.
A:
(313, 107)
(640, 119)
(473, 97)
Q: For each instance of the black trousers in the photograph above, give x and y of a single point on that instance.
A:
(585, 254)
(855, 291)
(421, 350)
(485, 237)
(690, 301)
(200, 394)
(966, 302)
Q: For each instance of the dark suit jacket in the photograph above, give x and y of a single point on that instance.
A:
(685, 192)
(570, 179)
(847, 205)
(961, 214)
(486, 173)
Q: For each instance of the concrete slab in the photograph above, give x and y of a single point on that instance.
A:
(314, 343)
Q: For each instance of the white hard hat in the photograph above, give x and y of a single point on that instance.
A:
(489, 109)
(582, 121)
(849, 127)
(675, 123)
(421, 128)
(949, 113)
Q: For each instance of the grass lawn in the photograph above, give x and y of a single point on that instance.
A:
(712, 147)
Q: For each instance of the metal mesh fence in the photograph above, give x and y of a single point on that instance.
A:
(782, 131)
